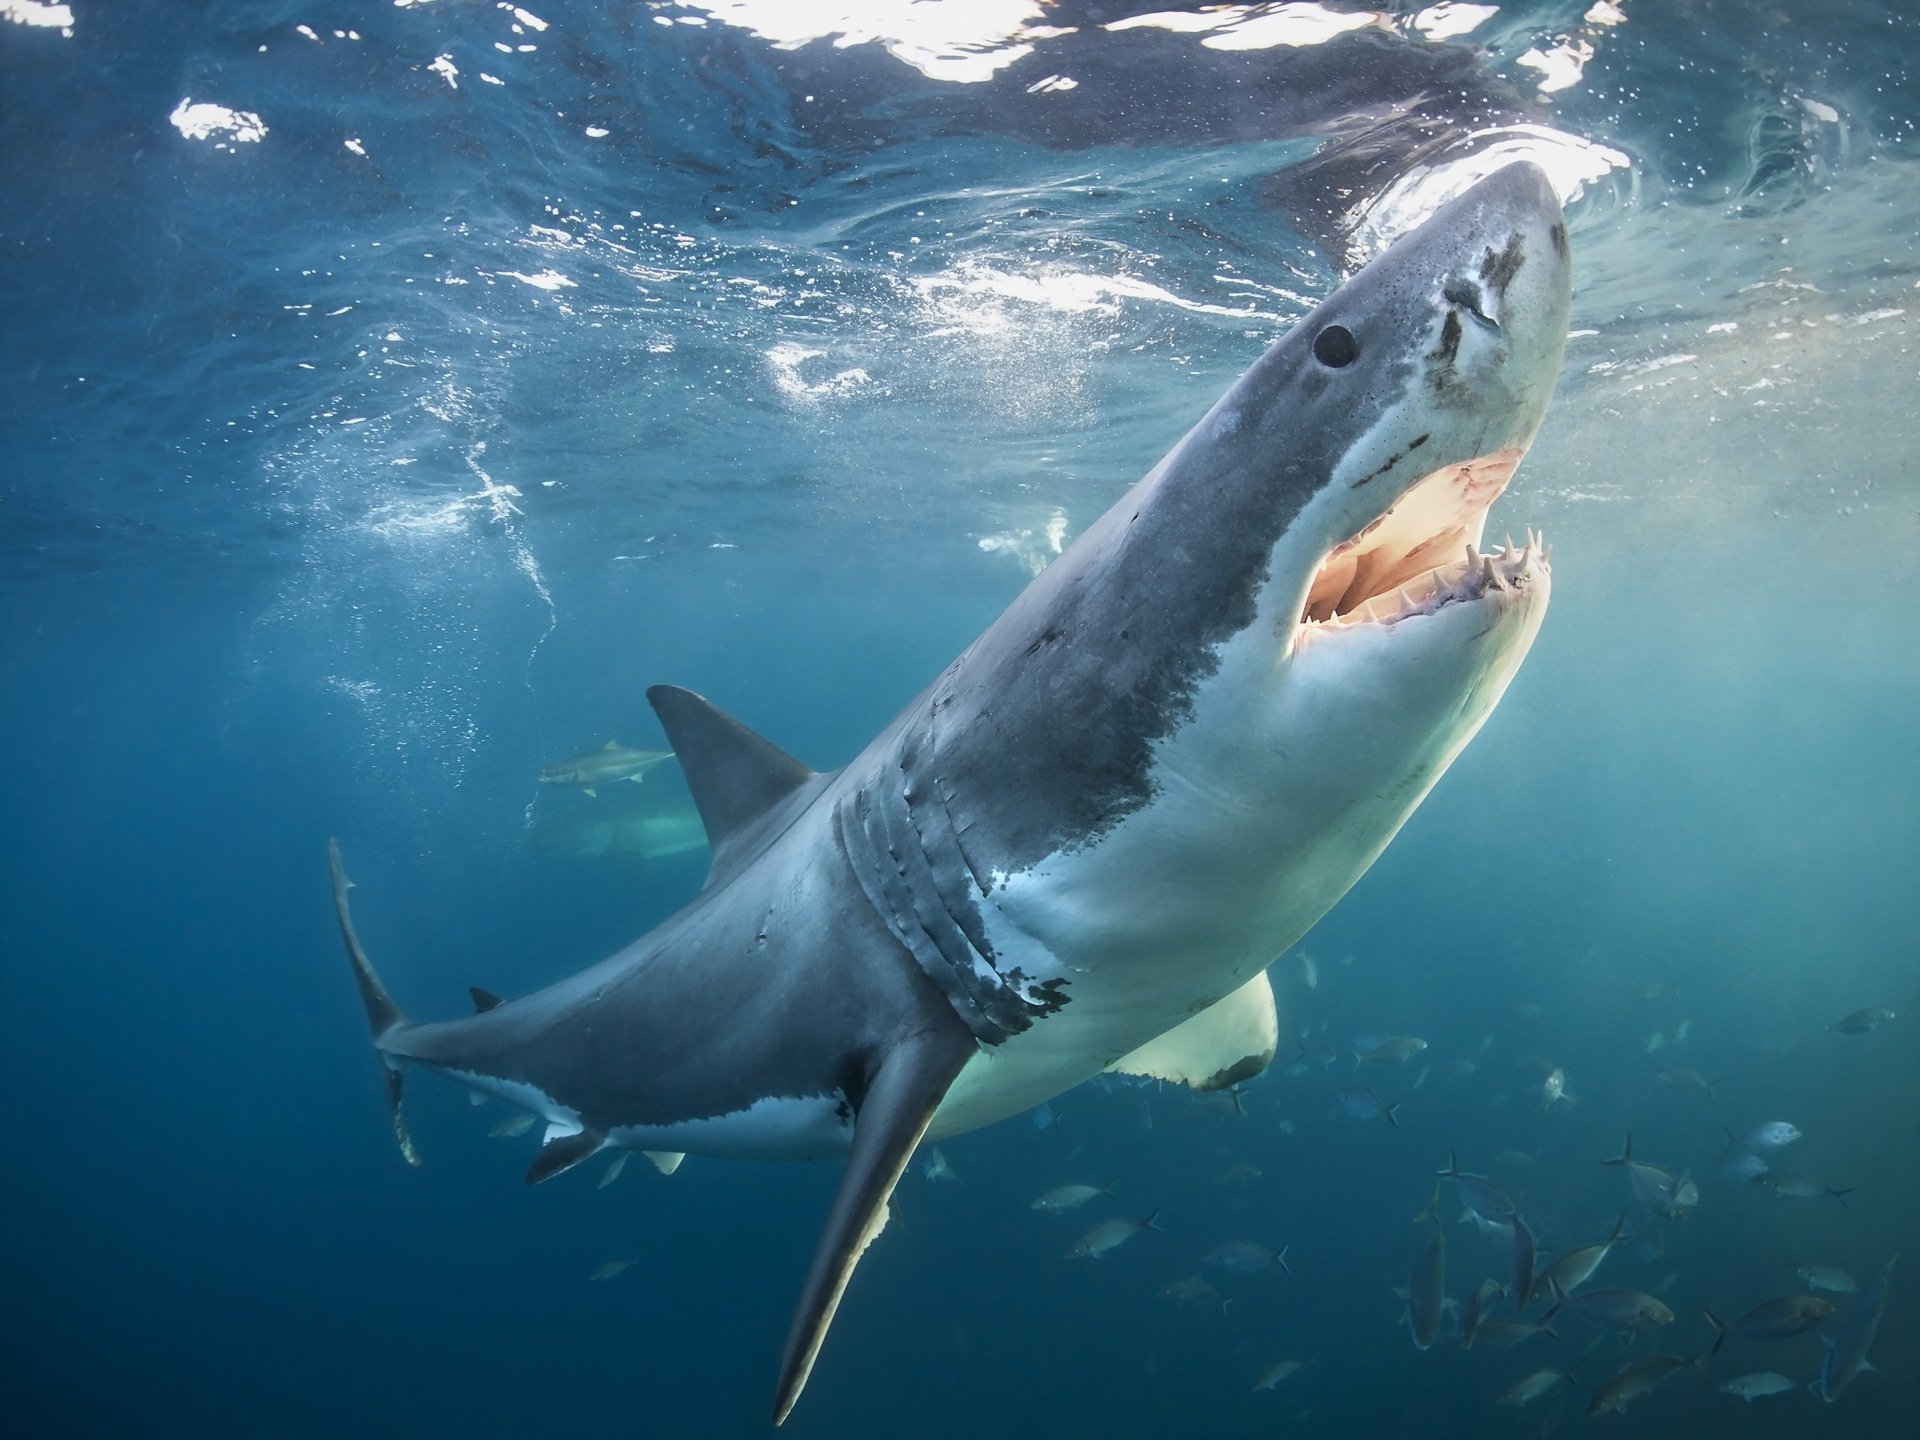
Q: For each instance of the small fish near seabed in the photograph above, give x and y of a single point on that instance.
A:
(1861, 1022)
(610, 763)
(1110, 1235)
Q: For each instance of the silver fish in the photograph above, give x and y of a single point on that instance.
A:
(1530, 1388)
(512, 1127)
(1861, 1021)
(1427, 1286)
(1525, 1257)
(1244, 1257)
(1553, 1090)
(610, 1269)
(1679, 1077)
(1396, 1051)
(1620, 1309)
(1651, 1184)
(1634, 1381)
(1846, 1354)
(1278, 1371)
(1072, 1197)
(1799, 1187)
(1781, 1318)
(1109, 1235)
(1309, 970)
(1361, 1103)
(1576, 1267)
(933, 1166)
(1478, 1193)
(1751, 1387)
(1774, 1135)
(1191, 1290)
(1827, 1277)
(1494, 1333)
(1476, 1308)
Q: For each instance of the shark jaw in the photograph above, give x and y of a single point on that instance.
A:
(1423, 556)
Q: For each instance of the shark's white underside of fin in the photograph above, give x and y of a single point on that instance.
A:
(1231, 1040)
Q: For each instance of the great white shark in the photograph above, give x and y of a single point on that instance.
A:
(1079, 848)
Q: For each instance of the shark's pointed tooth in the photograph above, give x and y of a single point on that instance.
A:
(905, 1089)
(1490, 575)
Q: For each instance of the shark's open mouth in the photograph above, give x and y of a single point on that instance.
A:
(1424, 554)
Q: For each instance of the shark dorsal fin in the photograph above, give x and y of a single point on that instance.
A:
(483, 1000)
(735, 776)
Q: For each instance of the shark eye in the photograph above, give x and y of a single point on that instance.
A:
(1335, 347)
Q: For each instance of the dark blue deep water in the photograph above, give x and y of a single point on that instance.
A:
(376, 436)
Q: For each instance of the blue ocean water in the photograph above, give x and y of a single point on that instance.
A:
(396, 390)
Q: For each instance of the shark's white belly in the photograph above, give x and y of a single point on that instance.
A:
(1268, 807)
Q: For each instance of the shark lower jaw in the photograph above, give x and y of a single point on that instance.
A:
(1423, 557)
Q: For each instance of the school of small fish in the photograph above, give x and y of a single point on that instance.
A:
(1617, 1329)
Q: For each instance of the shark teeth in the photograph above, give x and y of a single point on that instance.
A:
(1512, 570)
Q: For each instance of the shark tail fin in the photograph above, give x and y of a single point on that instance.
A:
(905, 1088)
(383, 1016)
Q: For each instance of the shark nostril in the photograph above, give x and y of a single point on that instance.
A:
(1469, 297)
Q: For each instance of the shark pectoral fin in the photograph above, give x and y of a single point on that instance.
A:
(1231, 1040)
(591, 791)
(400, 1131)
(735, 775)
(563, 1152)
(665, 1161)
(904, 1092)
